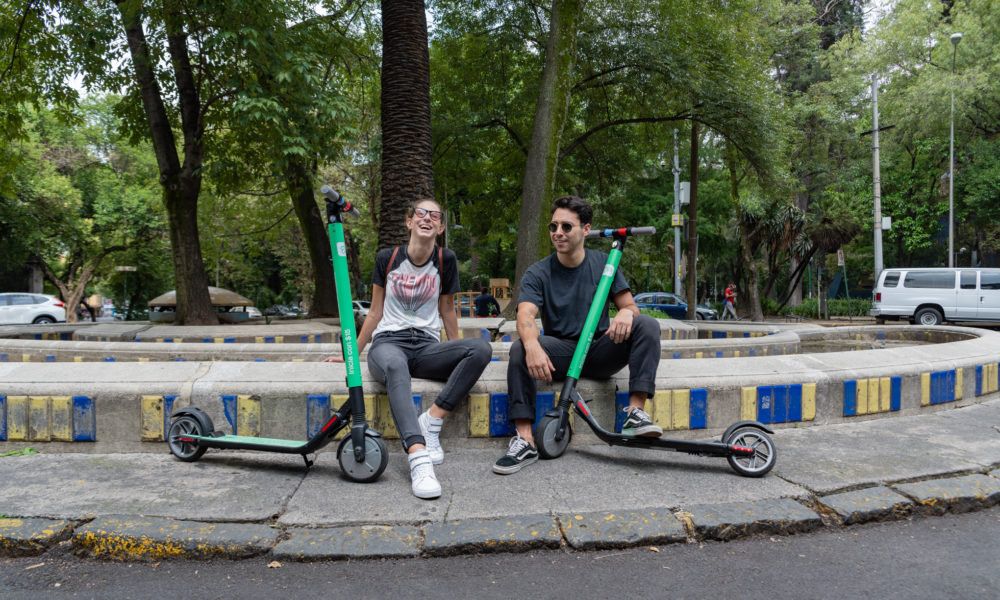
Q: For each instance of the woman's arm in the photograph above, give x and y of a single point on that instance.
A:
(371, 322)
(446, 307)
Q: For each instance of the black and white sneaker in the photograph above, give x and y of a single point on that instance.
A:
(520, 454)
(638, 423)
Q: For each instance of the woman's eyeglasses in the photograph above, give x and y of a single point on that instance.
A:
(566, 227)
(436, 215)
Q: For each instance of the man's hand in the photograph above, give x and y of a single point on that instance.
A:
(335, 358)
(621, 326)
(539, 365)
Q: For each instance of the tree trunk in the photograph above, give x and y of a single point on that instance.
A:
(543, 151)
(300, 188)
(692, 249)
(407, 161)
(181, 183)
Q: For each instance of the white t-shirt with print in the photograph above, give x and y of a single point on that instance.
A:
(412, 291)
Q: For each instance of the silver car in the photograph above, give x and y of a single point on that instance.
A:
(20, 309)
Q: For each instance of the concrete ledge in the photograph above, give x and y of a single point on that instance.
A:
(593, 531)
(136, 538)
(370, 541)
(955, 494)
(516, 534)
(31, 537)
(779, 516)
(872, 504)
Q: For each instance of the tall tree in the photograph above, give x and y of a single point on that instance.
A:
(407, 166)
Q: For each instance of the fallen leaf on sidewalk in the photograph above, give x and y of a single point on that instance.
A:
(654, 549)
(34, 566)
(274, 565)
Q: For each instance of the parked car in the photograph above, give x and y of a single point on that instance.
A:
(254, 312)
(932, 296)
(18, 308)
(673, 305)
(361, 308)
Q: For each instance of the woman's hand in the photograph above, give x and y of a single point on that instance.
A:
(335, 358)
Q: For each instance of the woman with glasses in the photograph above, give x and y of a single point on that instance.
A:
(413, 288)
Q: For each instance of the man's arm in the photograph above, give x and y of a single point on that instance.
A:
(538, 362)
(621, 326)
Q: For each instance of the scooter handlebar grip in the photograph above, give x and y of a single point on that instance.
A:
(642, 230)
(332, 194)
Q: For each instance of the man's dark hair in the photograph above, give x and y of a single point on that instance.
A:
(577, 205)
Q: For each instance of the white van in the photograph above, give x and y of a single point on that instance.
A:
(931, 296)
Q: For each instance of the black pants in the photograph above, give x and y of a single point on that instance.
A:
(641, 352)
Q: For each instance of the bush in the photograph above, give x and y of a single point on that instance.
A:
(837, 307)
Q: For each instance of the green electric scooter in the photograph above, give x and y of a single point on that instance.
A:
(745, 445)
(362, 453)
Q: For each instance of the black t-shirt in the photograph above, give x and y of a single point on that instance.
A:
(486, 304)
(563, 295)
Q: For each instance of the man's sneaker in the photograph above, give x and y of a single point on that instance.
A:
(430, 428)
(519, 455)
(638, 423)
(422, 479)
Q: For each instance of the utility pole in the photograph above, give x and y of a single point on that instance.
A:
(876, 179)
(677, 211)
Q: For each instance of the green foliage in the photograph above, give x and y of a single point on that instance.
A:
(855, 307)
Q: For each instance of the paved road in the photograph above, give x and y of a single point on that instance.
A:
(953, 556)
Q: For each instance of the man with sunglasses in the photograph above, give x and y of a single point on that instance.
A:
(559, 288)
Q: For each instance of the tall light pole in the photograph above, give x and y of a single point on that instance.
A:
(955, 39)
(876, 180)
(677, 209)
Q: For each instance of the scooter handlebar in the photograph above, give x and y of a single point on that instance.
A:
(621, 232)
(335, 197)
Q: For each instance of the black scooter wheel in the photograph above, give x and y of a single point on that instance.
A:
(376, 459)
(182, 427)
(764, 455)
(545, 437)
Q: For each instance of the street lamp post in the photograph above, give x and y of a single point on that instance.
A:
(955, 39)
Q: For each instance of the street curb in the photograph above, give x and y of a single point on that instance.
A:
(149, 538)
(594, 531)
(368, 541)
(515, 534)
(31, 537)
(136, 538)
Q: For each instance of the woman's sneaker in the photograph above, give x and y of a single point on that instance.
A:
(637, 422)
(430, 428)
(422, 479)
(519, 455)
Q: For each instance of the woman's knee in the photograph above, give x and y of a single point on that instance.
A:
(481, 351)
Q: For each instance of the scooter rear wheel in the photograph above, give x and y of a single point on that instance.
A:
(764, 455)
(185, 425)
(376, 459)
(545, 437)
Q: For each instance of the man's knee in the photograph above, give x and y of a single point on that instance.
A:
(516, 354)
(645, 325)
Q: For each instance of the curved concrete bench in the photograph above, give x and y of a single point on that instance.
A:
(119, 406)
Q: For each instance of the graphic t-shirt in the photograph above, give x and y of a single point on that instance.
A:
(563, 295)
(412, 291)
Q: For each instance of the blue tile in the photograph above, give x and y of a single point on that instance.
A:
(765, 401)
(698, 409)
(317, 413)
(500, 425)
(794, 403)
(850, 398)
(84, 419)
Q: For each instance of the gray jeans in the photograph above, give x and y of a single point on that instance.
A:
(395, 357)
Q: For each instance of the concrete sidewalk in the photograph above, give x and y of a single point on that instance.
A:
(229, 504)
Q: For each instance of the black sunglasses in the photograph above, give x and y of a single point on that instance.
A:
(566, 227)
(436, 215)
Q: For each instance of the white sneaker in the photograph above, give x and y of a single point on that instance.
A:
(422, 479)
(430, 428)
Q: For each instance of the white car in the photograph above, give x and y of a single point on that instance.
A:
(361, 308)
(20, 309)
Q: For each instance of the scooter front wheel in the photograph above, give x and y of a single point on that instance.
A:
(545, 437)
(376, 459)
(180, 430)
(764, 455)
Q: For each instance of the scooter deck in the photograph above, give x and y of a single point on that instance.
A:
(251, 443)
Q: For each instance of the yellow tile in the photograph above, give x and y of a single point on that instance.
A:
(925, 389)
(862, 396)
(660, 408)
(151, 418)
(17, 418)
(748, 403)
(873, 399)
(681, 410)
(38, 419)
(808, 401)
(885, 394)
(958, 383)
(62, 419)
(479, 415)
(248, 415)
